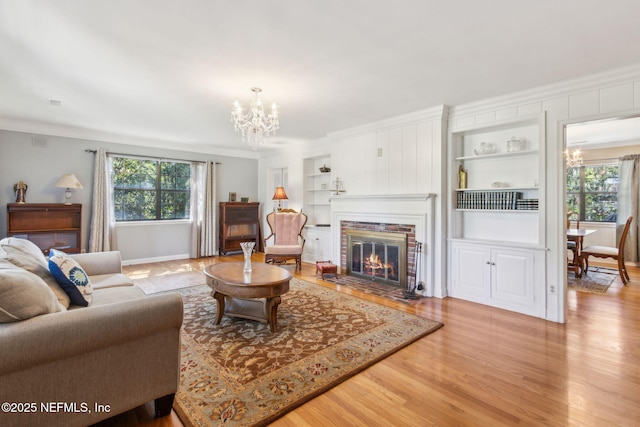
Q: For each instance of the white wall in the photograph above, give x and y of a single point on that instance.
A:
(40, 168)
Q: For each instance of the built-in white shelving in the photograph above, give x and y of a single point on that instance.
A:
(497, 227)
(317, 186)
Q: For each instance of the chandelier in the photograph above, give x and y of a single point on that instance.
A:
(255, 125)
(574, 158)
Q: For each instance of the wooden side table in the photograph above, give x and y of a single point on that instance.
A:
(254, 295)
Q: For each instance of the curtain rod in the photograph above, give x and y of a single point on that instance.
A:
(148, 157)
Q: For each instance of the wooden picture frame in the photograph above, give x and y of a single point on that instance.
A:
(232, 196)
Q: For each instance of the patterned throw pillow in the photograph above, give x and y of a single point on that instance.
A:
(71, 277)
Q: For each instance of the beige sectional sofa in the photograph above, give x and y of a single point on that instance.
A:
(74, 366)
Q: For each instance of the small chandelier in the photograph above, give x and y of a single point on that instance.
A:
(574, 158)
(255, 125)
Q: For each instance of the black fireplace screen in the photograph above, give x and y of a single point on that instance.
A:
(380, 256)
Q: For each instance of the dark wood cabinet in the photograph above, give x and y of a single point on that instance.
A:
(48, 225)
(239, 222)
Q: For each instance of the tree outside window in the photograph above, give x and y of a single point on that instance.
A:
(149, 190)
(592, 192)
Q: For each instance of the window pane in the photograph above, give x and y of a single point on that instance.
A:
(601, 178)
(600, 207)
(593, 191)
(573, 180)
(573, 204)
(139, 184)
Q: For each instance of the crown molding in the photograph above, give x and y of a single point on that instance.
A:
(54, 130)
(435, 113)
(568, 87)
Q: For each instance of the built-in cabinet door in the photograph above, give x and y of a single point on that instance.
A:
(317, 246)
(310, 251)
(512, 277)
(471, 272)
(500, 277)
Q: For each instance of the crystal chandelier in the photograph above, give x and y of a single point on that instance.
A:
(255, 125)
(574, 158)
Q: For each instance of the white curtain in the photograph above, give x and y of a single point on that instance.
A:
(204, 227)
(628, 203)
(102, 236)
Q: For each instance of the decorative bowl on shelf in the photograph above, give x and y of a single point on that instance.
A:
(325, 169)
(516, 144)
(500, 185)
(486, 148)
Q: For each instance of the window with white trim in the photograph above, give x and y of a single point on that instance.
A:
(150, 190)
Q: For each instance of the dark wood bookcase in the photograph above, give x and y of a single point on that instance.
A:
(48, 225)
(239, 222)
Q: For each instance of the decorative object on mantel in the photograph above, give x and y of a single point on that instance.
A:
(255, 125)
(462, 177)
(337, 187)
(68, 181)
(325, 169)
(20, 189)
(574, 158)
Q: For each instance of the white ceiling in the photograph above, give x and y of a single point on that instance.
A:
(170, 70)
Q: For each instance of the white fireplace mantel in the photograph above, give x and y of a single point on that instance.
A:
(382, 197)
(415, 209)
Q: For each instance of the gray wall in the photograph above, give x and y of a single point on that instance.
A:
(40, 167)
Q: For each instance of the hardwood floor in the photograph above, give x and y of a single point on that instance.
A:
(485, 367)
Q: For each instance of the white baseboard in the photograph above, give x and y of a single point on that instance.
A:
(154, 259)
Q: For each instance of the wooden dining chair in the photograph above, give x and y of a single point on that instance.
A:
(572, 244)
(609, 252)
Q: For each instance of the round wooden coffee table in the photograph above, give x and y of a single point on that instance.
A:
(254, 295)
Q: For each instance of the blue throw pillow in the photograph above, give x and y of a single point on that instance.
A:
(71, 277)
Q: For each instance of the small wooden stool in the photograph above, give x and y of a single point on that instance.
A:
(325, 267)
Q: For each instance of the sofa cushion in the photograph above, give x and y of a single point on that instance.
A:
(24, 295)
(34, 266)
(102, 281)
(117, 295)
(15, 245)
(71, 277)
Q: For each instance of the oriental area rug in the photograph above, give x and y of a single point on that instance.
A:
(594, 282)
(238, 373)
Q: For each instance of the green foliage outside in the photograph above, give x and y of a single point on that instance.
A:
(150, 190)
(592, 192)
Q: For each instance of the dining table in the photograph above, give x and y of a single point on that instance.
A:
(577, 235)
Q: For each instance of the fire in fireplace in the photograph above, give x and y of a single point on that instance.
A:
(379, 256)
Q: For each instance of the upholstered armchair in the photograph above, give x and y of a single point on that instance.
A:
(287, 243)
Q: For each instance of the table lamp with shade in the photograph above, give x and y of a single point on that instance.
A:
(280, 195)
(68, 181)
